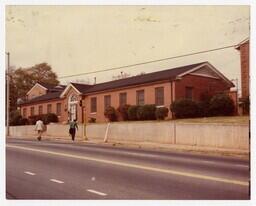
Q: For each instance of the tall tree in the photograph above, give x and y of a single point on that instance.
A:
(23, 79)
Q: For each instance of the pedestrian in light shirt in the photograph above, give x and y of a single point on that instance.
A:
(39, 128)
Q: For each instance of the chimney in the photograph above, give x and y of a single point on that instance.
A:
(94, 80)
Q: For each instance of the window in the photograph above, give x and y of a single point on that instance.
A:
(189, 93)
(49, 108)
(159, 96)
(58, 109)
(122, 99)
(140, 97)
(24, 112)
(107, 101)
(40, 109)
(93, 104)
(32, 111)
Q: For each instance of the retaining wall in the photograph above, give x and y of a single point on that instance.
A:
(232, 136)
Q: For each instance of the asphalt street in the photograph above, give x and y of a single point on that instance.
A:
(57, 170)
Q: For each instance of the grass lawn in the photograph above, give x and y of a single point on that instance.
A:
(231, 119)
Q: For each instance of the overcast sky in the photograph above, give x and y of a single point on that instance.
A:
(77, 39)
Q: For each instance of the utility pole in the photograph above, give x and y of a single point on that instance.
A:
(7, 94)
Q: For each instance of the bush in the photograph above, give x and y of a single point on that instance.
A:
(123, 110)
(204, 105)
(110, 113)
(185, 108)
(221, 105)
(46, 118)
(161, 113)
(15, 118)
(23, 121)
(132, 112)
(51, 117)
(146, 112)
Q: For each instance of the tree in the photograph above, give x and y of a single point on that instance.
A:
(23, 79)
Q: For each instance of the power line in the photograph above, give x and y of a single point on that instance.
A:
(147, 62)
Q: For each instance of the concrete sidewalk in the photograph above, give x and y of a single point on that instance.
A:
(150, 145)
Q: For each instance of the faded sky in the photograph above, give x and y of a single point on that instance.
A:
(76, 39)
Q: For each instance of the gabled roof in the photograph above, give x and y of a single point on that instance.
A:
(48, 96)
(169, 74)
(79, 88)
(48, 87)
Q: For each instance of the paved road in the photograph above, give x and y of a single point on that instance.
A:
(55, 170)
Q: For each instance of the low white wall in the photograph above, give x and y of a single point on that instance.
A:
(160, 132)
(213, 135)
(232, 136)
(52, 131)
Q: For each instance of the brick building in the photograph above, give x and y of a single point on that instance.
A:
(243, 47)
(82, 101)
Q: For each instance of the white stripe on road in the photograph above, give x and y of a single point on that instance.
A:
(130, 165)
(29, 173)
(96, 192)
(57, 181)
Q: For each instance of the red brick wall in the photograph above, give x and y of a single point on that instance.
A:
(149, 98)
(244, 55)
(44, 105)
(200, 85)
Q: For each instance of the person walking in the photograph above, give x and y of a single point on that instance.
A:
(39, 128)
(72, 129)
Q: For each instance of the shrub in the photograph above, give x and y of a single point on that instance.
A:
(92, 120)
(204, 105)
(46, 118)
(110, 113)
(185, 108)
(15, 118)
(123, 110)
(50, 117)
(23, 121)
(146, 112)
(161, 113)
(221, 105)
(132, 112)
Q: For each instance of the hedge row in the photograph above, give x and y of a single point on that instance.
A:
(218, 105)
(17, 119)
(134, 112)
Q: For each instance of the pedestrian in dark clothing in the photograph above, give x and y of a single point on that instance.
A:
(72, 129)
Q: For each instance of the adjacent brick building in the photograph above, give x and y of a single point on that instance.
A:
(243, 47)
(83, 102)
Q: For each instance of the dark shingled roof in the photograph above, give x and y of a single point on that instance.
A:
(82, 87)
(142, 79)
(47, 96)
(169, 74)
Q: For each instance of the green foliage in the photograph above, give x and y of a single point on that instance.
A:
(46, 118)
(204, 105)
(146, 112)
(132, 112)
(161, 113)
(110, 113)
(50, 117)
(185, 108)
(221, 105)
(123, 110)
(15, 118)
(23, 79)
